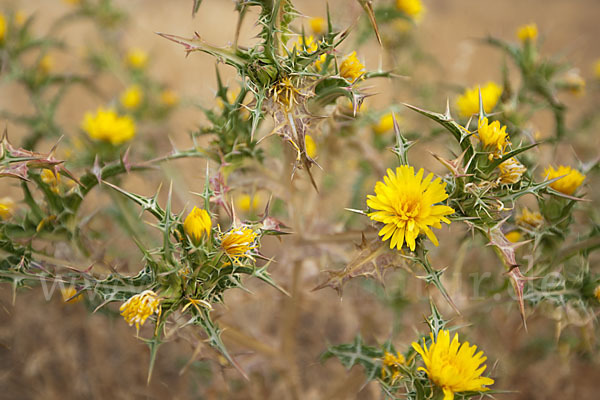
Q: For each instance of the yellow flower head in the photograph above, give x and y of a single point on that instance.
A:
(311, 146)
(20, 18)
(318, 25)
(306, 43)
(392, 363)
(139, 307)
(108, 126)
(452, 366)
(132, 97)
(169, 98)
(413, 8)
(385, 124)
(527, 32)
(569, 183)
(351, 68)
(406, 204)
(46, 64)
(137, 58)
(247, 203)
(513, 236)
(2, 26)
(597, 293)
(597, 69)
(49, 178)
(196, 224)
(320, 62)
(511, 171)
(239, 242)
(493, 136)
(7, 206)
(468, 102)
(69, 292)
(531, 219)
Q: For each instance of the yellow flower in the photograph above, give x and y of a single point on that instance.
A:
(527, 32)
(69, 292)
(46, 64)
(385, 124)
(413, 8)
(574, 83)
(131, 97)
(247, 203)
(597, 293)
(406, 205)
(528, 218)
(307, 44)
(513, 236)
(351, 68)
(511, 171)
(196, 224)
(7, 206)
(239, 242)
(569, 183)
(319, 63)
(20, 18)
(452, 366)
(393, 363)
(493, 136)
(318, 25)
(2, 26)
(139, 307)
(169, 98)
(108, 126)
(468, 102)
(49, 178)
(137, 58)
(597, 69)
(311, 146)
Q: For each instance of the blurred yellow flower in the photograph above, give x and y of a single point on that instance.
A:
(513, 236)
(20, 18)
(530, 219)
(247, 203)
(569, 183)
(493, 136)
(318, 25)
(2, 26)
(108, 126)
(169, 98)
(311, 146)
(137, 58)
(407, 205)
(7, 206)
(239, 242)
(527, 32)
(69, 292)
(132, 97)
(511, 171)
(575, 83)
(597, 293)
(196, 224)
(385, 124)
(597, 69)
(72, 2)
(392, 363)
(453, 366)
(46, 64)
(351, 68)
(321, 60)
(413, 8)
(468, 102)
(139, 307)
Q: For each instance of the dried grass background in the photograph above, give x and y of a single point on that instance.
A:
(51, 350)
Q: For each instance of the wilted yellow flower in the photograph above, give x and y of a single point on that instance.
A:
(6, 207)
(406, 205)
(392, 362)
(528, 218)
(239, 242)
(513, 236)
(69, 292)
(452, 366)
(137, 58)
(492, 136)
(196, 224)
(351, 68)
(131, 97)
(597, 69)
(527, 32)
(569, 183)
(169, 98)
(385, 124)
(108, 126)
(138, 308)
(468, 102)
(2, 26)
(511, 171)
(412, 8)
(311, 146)
(318, 25)
(247, 203)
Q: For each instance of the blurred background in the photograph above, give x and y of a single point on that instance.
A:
(53, 350)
